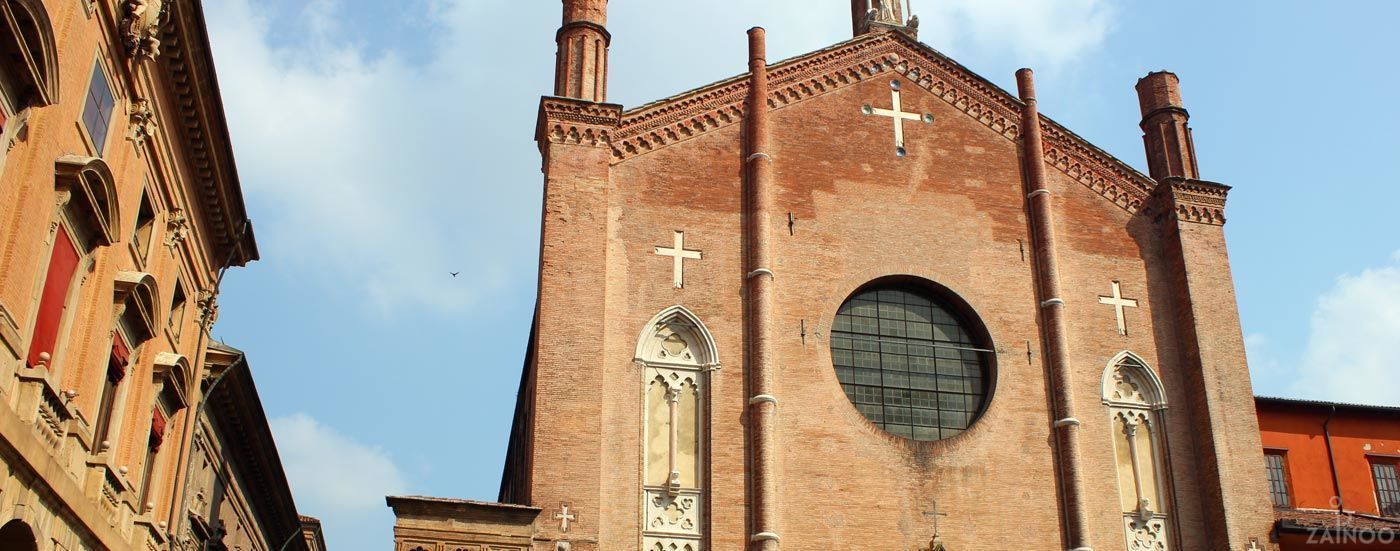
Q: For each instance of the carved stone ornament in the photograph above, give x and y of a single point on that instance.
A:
(143, 122)
(177, 229)
(1146, 535)
(208, 304)
(140, 27)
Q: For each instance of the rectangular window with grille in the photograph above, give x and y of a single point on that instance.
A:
(1277, 470)
(1387, 487)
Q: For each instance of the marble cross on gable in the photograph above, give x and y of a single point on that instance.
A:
(897, 113)
(679, 254)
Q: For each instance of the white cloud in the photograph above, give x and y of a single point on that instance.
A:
(1353, 352)
(1051, 32)
(1268, 375)
(329, 472)
(367, 173)
(338, 480)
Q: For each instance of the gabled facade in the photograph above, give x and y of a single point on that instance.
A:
(865, 299)
(120, 208)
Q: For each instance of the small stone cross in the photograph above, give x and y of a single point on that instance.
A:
(1119, 303)
(899, 116)
(935, 544)
(678, 254)
(1254, 546)
(565, 517)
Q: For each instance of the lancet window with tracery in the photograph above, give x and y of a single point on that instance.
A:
(676, 354)
(1136, 405)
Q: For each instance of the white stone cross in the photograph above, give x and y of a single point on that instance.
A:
(1119, 303)
(899, 117)
(678, 254)
(565, 517)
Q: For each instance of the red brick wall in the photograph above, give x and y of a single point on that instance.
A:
(951, 212)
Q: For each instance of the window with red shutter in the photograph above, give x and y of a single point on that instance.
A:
(63, 262)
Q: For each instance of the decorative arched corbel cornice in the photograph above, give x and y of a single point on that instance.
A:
(172, 372)
(678, 319)
(136, 296)
(30, 42)
(93, 195)
(1127, 368)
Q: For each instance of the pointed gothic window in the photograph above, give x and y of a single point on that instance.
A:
(677, 353)
(1136, 403)
(910, 361)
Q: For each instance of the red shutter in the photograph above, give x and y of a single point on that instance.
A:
(62, 264)
(157, 429)
(116, 367)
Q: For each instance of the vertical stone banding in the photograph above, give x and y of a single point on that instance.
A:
(1055, 332)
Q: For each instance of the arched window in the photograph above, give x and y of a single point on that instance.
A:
(135, 296)
(85, 220)
(1136, 403)
(676, 353)
(910, 361)
(28, 67)
(17, 536)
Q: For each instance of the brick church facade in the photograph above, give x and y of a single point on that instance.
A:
(865, 299)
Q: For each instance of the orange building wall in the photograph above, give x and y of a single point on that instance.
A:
(1356, 437)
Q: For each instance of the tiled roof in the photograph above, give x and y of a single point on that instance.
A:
(1315, 519)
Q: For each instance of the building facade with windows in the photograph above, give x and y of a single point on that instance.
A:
(864, 298)
(1332, 473)
(120, 208)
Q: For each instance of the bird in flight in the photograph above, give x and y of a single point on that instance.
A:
(454, 274)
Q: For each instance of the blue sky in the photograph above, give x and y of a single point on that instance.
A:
(383, 144)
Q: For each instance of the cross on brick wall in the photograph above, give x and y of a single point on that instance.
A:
(899, 116)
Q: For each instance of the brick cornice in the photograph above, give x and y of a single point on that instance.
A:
(691, 114)
(578, 122)
(1196, 201)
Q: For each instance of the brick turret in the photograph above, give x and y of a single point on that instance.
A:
(1170, 151)
(581, 70)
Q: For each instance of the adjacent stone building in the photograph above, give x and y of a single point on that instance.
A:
(120, 209)
(864, 298)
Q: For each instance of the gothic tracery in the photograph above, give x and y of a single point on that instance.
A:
(675, 352)
(1136, 402)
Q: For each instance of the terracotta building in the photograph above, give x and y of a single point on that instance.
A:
(1317, 451)
(120, 209)
(865, 299)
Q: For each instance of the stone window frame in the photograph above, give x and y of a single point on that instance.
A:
(99, 147)
(174, 328)
(1152, 405)
(139, 252)
(696, 361)
(85, 206)
(135, 303)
